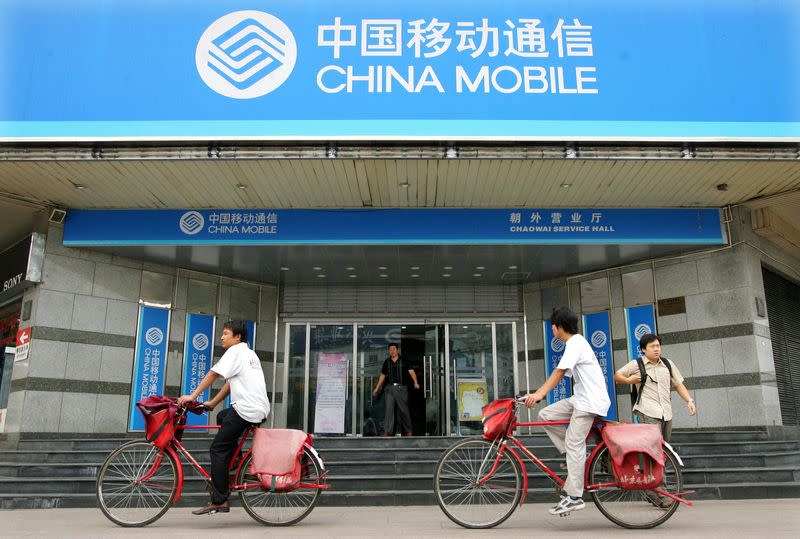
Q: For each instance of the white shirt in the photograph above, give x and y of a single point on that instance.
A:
(591, 394)
(241, 367)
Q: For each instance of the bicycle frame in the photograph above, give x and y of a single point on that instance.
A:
(176, 448)
(504, 446)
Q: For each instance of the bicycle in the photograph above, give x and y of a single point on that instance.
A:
(479, 483)
(139, 481)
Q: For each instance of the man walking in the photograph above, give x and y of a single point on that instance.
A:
(396, 375)
(590, 399)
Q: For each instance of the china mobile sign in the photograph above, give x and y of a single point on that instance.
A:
(302, 69)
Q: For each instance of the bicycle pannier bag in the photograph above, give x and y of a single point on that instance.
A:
(278, 457)
(637, 455)
(498, 417)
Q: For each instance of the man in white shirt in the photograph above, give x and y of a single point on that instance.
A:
(590, 399)
(244, 380)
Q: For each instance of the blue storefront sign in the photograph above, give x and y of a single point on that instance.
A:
(198, 351)
(597, 328)
(639, 321)
(553, 350)
(417, 69)
(150, 359)
(393, 226)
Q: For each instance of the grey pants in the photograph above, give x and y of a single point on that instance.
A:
(571, 440)
(666, 426)
(397, 397)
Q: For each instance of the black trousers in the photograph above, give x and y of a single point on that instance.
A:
(397, 396)
(222, 449)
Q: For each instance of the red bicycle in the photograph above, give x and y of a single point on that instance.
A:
(479, 482)
(139, 481)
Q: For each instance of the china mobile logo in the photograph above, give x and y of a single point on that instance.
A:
(599, 339)
(557, 345)
(191, 222)
(246, 54)
(641, 330)
(200, 342)
(154, 336)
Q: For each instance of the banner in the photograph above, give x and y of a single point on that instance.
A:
(553, 350)
(597, 328)
(416, 69)
(472, 397)
(639, 321)
(331, 396)
(150, 359)
(406, 226)
(197, 353)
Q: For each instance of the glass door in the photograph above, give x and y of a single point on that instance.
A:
(472, 375)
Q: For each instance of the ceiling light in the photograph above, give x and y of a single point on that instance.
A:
(512, 267)
(384, 275)
(566, 185)
(480, 267)
(317, 268)
(321, 275)
(476, 274)
(241, 186)
(404, 185)
(415, 275)
(349, 268)
(284, 268)
(445, 275)
(382, 268)
(448, 267)
(352, 275)
(465, 327)
(415, 268)
(80, 187)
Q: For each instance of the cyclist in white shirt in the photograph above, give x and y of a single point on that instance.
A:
(590, 399)
(244, 380)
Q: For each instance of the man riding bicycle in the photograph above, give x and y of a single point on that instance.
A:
(590, 399)
(244, 380)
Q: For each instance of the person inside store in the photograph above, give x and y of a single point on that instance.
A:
(396, 375)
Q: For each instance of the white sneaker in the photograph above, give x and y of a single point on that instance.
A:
(566, 505)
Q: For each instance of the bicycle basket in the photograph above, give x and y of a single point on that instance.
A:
(637, 455)
(498, 418)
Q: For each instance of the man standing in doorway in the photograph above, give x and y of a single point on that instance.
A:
(653, 401)
(396, 375)
(244, 379)
(590, 399)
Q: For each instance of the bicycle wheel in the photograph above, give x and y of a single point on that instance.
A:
(280, 508)
(635, 509)
(124, 497)
(468, 503)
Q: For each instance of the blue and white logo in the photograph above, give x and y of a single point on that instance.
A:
(557, 345)
(191, 222)
(154, 336)
(641, 330)
(200, 342)
(599, 339)
(246, 54)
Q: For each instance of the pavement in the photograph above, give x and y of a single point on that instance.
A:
(706, 519)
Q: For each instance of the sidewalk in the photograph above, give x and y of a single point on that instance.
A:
(740, 518)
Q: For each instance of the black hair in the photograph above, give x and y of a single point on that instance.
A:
(237, 327)
(647, 338)
(393, 344)
(565, 319)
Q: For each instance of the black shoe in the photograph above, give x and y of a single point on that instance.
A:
(211, 508)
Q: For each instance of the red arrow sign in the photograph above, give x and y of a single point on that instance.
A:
(23, 336)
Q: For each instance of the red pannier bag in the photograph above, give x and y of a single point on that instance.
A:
(498, 418)
(637, 454)
(278, 457)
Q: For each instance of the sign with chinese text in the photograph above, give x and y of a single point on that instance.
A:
(553, 350)
(416, 226)
(150, 360)
(597, 330)
(417, 69)
(197, 354)
(472, 397)
(639, 321)
(331, 393)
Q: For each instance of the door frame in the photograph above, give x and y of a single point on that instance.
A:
(356, 322)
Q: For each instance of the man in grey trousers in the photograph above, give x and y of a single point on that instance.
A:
(396, 376)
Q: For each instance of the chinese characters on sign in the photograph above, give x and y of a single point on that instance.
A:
(149, 360)
(550, 45)
(243, 222)
(557, 222)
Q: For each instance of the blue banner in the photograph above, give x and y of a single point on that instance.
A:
(639, 321)
(597, 329)
(553, 350)
(417, 69)
(197, 354)
(150, 360)
(423, 226)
